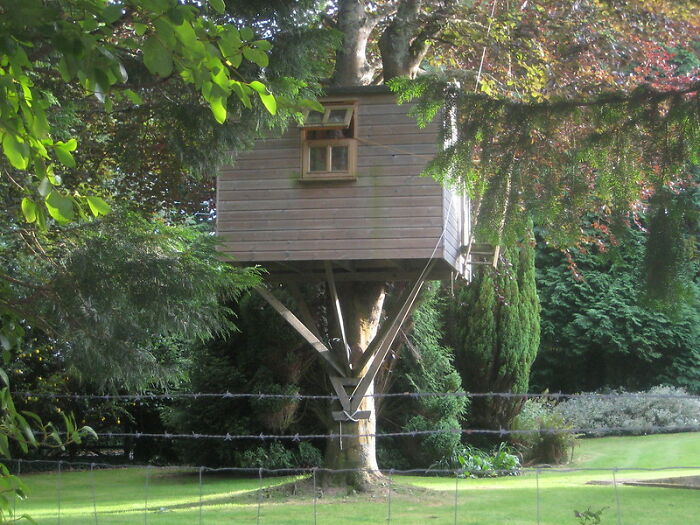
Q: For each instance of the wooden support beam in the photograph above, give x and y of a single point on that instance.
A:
(347, 414)
(338, 310)
(304, 310)
(307, 334)
(379, 347)
(339, 384)
(339, 415)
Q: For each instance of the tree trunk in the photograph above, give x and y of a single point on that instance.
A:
(400, 45)
(362, 307)
(356, 25)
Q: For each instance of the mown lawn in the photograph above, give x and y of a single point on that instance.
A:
(173, 496)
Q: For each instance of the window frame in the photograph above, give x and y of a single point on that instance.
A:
(349, 122)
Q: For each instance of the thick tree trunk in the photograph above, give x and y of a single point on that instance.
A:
(362, 308)
(356, 25)
(401, 45)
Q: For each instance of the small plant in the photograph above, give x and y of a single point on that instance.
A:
(589, 517)
(547, 436)
(477, 463)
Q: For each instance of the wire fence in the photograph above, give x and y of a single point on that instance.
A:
(693, 426)
(556, 396)
(392, 501)
(255, 501)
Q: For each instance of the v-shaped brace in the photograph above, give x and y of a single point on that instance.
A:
(346, 414)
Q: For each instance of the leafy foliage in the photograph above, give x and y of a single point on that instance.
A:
(561, 159)
(266, 356)
(478, 463)
(600, 328)
(634, 413)
(547, 436)
(25, 430)
(111, 293)
(493, 324)
(421, 364)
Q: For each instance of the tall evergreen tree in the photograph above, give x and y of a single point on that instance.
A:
(493, 324)
(423, 364)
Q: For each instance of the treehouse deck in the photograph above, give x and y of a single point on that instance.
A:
(345, 188)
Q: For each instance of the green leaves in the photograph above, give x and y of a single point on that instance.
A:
(265, 97)
(16, 150)
(63, 152)
(157, 58)
(98, 206)
(112, 13)
(218, 109)
(218, 5)
(60, 207)
(29, 209)
(256, 56)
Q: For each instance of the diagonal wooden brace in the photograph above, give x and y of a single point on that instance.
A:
(307, 334)
(379, 347)
(338, 311)
(339, 385)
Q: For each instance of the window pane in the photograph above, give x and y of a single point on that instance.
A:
(339, 158)
(314, 117)
(317, 158)
(337, 116)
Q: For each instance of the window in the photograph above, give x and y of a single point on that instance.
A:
(329, 146)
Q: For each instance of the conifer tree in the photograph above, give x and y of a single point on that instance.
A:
(493, 324)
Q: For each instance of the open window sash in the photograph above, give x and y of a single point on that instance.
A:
(337, 117)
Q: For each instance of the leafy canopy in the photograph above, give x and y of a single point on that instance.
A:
(96, 43)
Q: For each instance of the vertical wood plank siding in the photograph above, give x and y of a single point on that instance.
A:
(266, 213)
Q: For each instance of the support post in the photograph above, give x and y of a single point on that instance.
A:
(338, 310)
(307, 334)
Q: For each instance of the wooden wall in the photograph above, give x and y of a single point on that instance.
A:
(265, 213)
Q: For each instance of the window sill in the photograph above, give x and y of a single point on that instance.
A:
(330, 176)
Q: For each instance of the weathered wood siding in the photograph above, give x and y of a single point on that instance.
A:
(266, 213)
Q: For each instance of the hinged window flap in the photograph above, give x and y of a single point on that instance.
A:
(332, 117)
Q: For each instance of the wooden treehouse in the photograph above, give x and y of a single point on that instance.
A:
(340, 199)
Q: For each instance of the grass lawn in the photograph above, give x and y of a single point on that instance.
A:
(174, 496)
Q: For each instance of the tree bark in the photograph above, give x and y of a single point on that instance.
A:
(356, 25)
(399, 45)
(362, 308)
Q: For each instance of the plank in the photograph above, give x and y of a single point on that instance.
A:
(383, 146)
(300, 328)
(257, 256)
(282, 225)
(294, 175)
(381, 157)
(233, 215)
(389, 177)
(428, 188)
(265, 236)
(329, 244)
(331, 204)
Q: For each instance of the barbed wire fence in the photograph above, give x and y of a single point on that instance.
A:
(312, 473)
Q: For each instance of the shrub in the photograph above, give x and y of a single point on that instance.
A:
(547, 436)
(478, 463)
(277, 456)
(660, 409)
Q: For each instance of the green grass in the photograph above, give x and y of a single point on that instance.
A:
(173, 496)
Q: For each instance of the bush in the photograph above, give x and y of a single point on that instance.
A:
(634, 413)
(548, 437)
(478, 463)
(277, 456)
